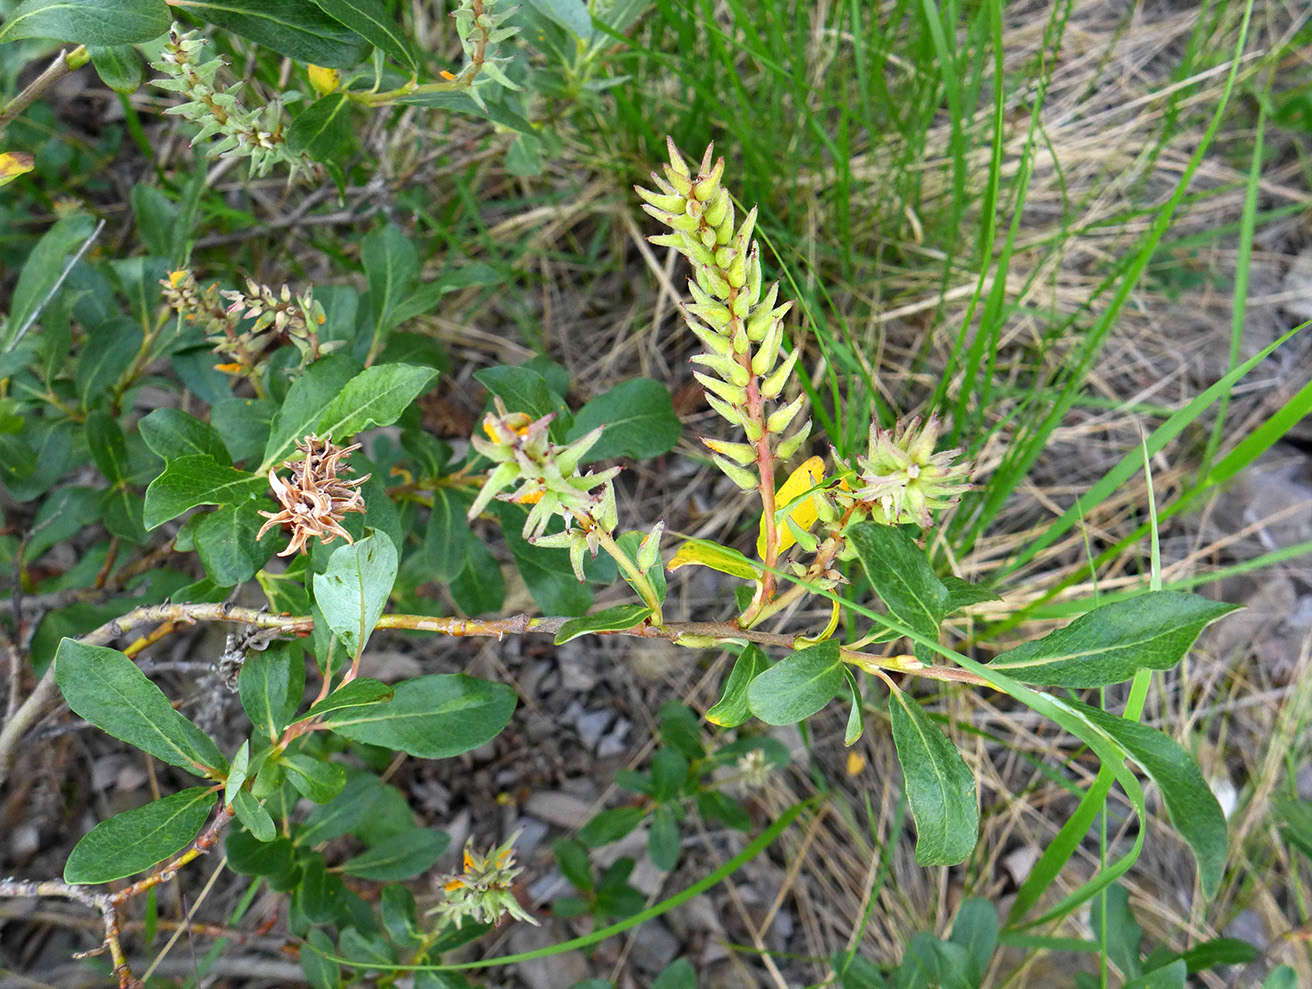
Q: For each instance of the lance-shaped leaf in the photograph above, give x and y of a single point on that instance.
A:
(135, 840)
(1109, 644)
(639, 419)
(902, 578)
(375, 397)
(401, 856)
(798, 686)
(270, 686)
(616, 619)
(1193, 808)
(306, 400)
(371, 21)
(87, 22)
(431, 717)
(939, 785)
(105, 687)
(295, 28)
(171, 433)
(352, 592)
(197, 480)
(731, 710)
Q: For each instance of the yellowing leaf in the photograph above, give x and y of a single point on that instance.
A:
(14, 164)
(803, 513)
(708, 554)
(324, 80)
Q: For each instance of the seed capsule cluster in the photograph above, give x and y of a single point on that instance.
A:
(744, 369)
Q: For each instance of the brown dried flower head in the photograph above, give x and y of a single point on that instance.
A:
(315, 499)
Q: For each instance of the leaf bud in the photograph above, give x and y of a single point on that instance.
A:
(774, 384)
(717, 209)
(768, 352)
(741, 476)
(705, 187)
(789, 446)
(649, 550)
(739, 453)
(709, 279)
(732, 394)
(780, 419)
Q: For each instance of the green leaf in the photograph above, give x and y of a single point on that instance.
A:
(237, 772)
(295, 28)
(88, 22)
(244, 424)
(353, 591)
(135, 840)
(254, 817)
(171, 433)
(902, 578)
(1172, 976)
(248, 856)
(111, 348)
(106, 688)
(480, 588)
(732, 709)
(359, 691)
(319, 969)
(639, 419)
(306, 400)
(798, 686)
(425, 297)
(678, 974)
(109, 451)
(856, 719)
(1219, 951)
(1283, 977)
(119, 67)
(228, 547)
(1110, 643)
(402, 856)
(610, 826)
(976, 929)
(432, 717)
(572, 15)
(1190, 803)
(617, 619)
(270, 686)
(322, 129)
(445, 551)
(313, 777)
(369, 20)
(521, 388)
(390, 264)
(940, 787)
(45, 262)
(198, 480)
(461, 103)
(375, 397)
(663, 841)
(400, 918)
(572, 858)
(854, 972)
(962, 593)
(361, 796)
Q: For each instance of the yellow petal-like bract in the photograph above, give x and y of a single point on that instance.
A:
(803, 513)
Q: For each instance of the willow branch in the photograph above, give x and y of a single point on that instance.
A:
(45, 696)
